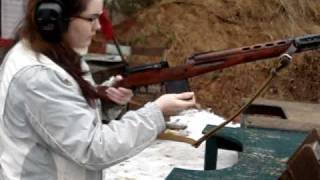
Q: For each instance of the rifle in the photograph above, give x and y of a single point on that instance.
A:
(201, 63)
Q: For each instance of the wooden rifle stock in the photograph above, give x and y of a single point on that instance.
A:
(201, 63)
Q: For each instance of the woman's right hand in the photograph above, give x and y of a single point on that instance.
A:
(171, 104)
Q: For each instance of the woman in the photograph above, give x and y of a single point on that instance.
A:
(50, 125)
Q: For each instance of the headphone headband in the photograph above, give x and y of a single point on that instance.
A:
(51, 20)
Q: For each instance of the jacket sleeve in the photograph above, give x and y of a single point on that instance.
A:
(61, 116)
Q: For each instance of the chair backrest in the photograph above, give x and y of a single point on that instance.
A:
(305, 162)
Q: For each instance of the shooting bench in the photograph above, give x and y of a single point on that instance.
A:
(286, 115)
(266, 150)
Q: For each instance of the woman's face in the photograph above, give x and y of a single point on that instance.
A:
(82, 28)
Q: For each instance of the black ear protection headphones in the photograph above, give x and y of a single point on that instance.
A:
(51, 20)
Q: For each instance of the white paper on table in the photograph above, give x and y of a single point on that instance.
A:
(196, 120)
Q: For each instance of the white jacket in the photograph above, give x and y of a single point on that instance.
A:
(48, 131)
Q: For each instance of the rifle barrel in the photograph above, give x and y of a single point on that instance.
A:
(201, 63)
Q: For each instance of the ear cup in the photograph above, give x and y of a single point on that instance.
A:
(50, 20)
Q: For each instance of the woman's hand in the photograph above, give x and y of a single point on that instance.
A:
(119, 95)
(171, 104)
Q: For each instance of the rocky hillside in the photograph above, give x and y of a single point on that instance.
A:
(188, 26)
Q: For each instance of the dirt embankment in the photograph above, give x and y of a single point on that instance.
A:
(188, 26)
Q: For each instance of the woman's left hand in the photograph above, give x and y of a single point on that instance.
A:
(119, 95)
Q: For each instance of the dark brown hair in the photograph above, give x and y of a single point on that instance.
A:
(61, 53)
